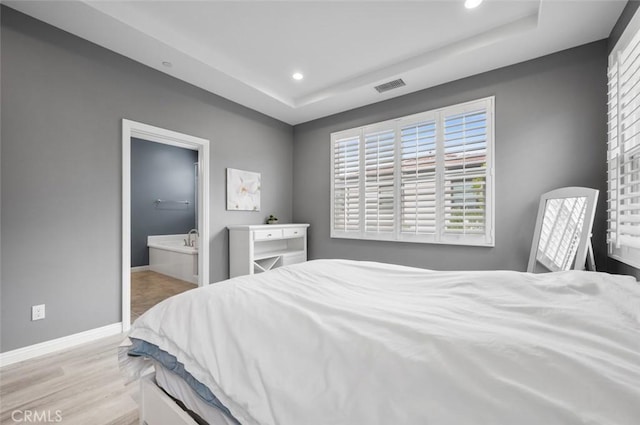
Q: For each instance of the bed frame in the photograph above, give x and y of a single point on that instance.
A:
(157, 408)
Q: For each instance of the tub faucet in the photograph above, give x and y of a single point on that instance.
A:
(193, 232)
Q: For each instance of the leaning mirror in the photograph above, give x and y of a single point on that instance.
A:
(562, 237)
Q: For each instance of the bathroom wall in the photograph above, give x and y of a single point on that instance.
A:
(160, 172)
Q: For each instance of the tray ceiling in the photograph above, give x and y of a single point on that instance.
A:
(247, 51)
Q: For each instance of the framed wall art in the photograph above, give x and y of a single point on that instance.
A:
(243, 190)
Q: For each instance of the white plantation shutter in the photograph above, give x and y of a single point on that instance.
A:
(628, 210)
(465, 173)
(623, 148)
(379, 164)
(613, 154)
(423, 178)
(346, 186)
(418, 178)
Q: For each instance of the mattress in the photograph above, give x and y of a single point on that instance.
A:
(344, 342)
(178, 388)
(180, 381)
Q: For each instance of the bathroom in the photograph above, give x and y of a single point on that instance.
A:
(164, 236)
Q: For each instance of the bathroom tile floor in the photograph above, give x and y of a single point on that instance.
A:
(149, 288)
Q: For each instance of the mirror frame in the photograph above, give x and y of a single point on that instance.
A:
(584, 244)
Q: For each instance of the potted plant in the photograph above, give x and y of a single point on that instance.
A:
(272, 219)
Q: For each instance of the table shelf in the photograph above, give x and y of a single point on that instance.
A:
(260, 248)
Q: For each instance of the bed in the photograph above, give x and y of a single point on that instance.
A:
(346, 342)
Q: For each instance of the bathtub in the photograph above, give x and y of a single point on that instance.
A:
(169, 255)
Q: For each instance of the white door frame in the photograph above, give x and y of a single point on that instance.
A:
(160, 135)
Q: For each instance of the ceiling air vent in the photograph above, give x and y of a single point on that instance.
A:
(390, 85)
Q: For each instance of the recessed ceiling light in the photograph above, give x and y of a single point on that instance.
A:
(297, 76)
(472, 4)
(167, 64)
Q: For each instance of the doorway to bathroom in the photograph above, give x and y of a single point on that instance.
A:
(165, 247)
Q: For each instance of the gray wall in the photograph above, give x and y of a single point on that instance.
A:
(63, 100)
(165, 172)
(624, 19)
(550, 132)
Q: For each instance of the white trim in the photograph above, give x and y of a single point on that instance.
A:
(633, 261)
(160, 135)
(47, 347)
(140, 269)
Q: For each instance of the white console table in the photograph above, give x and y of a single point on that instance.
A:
(258, 248)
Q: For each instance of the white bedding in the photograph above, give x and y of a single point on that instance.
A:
(357, 343)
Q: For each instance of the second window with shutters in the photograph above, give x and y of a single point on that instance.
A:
(425, 178)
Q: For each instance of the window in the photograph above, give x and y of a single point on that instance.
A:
(623, 149)
(422, 178)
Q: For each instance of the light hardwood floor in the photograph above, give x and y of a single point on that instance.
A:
(82, 385)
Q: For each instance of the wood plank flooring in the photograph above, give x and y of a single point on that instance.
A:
(82, 385)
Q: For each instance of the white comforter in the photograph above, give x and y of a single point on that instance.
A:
(355, 343)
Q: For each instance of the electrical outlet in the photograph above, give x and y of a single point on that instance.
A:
(37, 312)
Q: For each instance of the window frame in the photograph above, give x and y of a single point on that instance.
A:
(486, 239)
(616, 153)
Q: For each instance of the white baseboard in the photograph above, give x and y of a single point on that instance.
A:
(140, 269)
(47, 347)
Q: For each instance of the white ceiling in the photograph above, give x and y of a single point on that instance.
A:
(246, 51)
